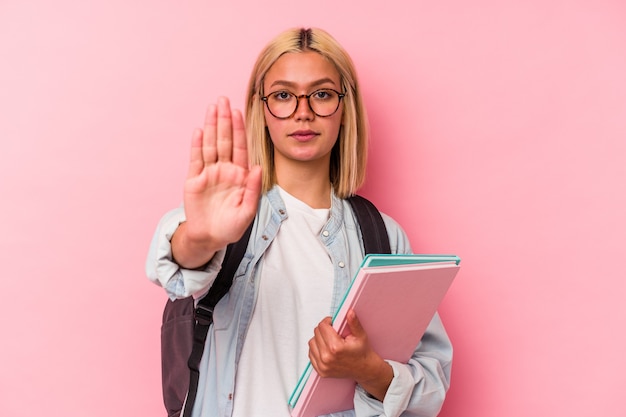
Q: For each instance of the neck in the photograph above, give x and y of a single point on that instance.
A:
(309, 184)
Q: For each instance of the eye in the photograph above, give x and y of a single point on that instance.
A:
(323, 95)
(281, 95)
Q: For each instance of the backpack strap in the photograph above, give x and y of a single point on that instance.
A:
(373, 230)
(203, 312)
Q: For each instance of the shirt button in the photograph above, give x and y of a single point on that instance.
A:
(230, 396)
(282, 212)
(264, 237)
(325, 233)
(341, 264)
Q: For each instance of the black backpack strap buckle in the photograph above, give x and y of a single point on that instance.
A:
(203, 315)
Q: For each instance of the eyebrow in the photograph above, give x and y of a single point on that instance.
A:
(292, 84)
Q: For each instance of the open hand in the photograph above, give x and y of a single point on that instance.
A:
(221, 192)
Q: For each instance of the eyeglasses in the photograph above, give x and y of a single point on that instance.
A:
(283, 104)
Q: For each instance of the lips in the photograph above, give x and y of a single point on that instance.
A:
(303, 135)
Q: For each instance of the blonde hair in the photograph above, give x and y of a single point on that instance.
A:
(349, 155)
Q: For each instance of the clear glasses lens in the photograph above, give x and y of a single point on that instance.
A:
(323, 102)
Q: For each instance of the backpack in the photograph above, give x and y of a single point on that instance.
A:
(185, 327)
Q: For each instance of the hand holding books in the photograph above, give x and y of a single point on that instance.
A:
(350, 356)
(394, 298)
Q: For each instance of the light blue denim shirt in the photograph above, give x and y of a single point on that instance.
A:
(418, 387)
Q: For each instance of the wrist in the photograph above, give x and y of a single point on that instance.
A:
(378, 379)
(192, 252)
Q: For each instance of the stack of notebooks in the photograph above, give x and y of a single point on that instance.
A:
(395, 297)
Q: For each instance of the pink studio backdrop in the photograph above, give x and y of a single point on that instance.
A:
(499, 134)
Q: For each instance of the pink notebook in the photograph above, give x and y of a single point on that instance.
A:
(395, 303)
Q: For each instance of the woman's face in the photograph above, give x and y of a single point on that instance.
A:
(303, 138)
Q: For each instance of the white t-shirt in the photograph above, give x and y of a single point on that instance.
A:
(294, 296)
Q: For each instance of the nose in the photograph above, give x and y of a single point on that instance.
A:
(303, 109)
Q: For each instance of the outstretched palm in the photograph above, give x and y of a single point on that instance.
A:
(221, 192)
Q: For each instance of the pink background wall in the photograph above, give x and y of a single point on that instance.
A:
(499, 134)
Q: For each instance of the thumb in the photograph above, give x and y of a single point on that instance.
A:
(252, 190)
(356, 328)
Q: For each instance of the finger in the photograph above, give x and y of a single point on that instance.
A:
(314, 354)
(313, 349)
(317, 348)
(224, 130)
(209, 137)
(252, 192)
(240, 146)
(327, 333)
(327, 321)
(196, 161)
(356, 329)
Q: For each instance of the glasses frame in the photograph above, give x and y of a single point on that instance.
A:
(308, 100)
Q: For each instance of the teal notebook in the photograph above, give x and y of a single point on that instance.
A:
(400, 259)
(373, 262)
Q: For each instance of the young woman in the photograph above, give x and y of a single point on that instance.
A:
(301, 152)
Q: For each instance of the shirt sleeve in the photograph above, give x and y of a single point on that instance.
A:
(419, 387)
(163, 271)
